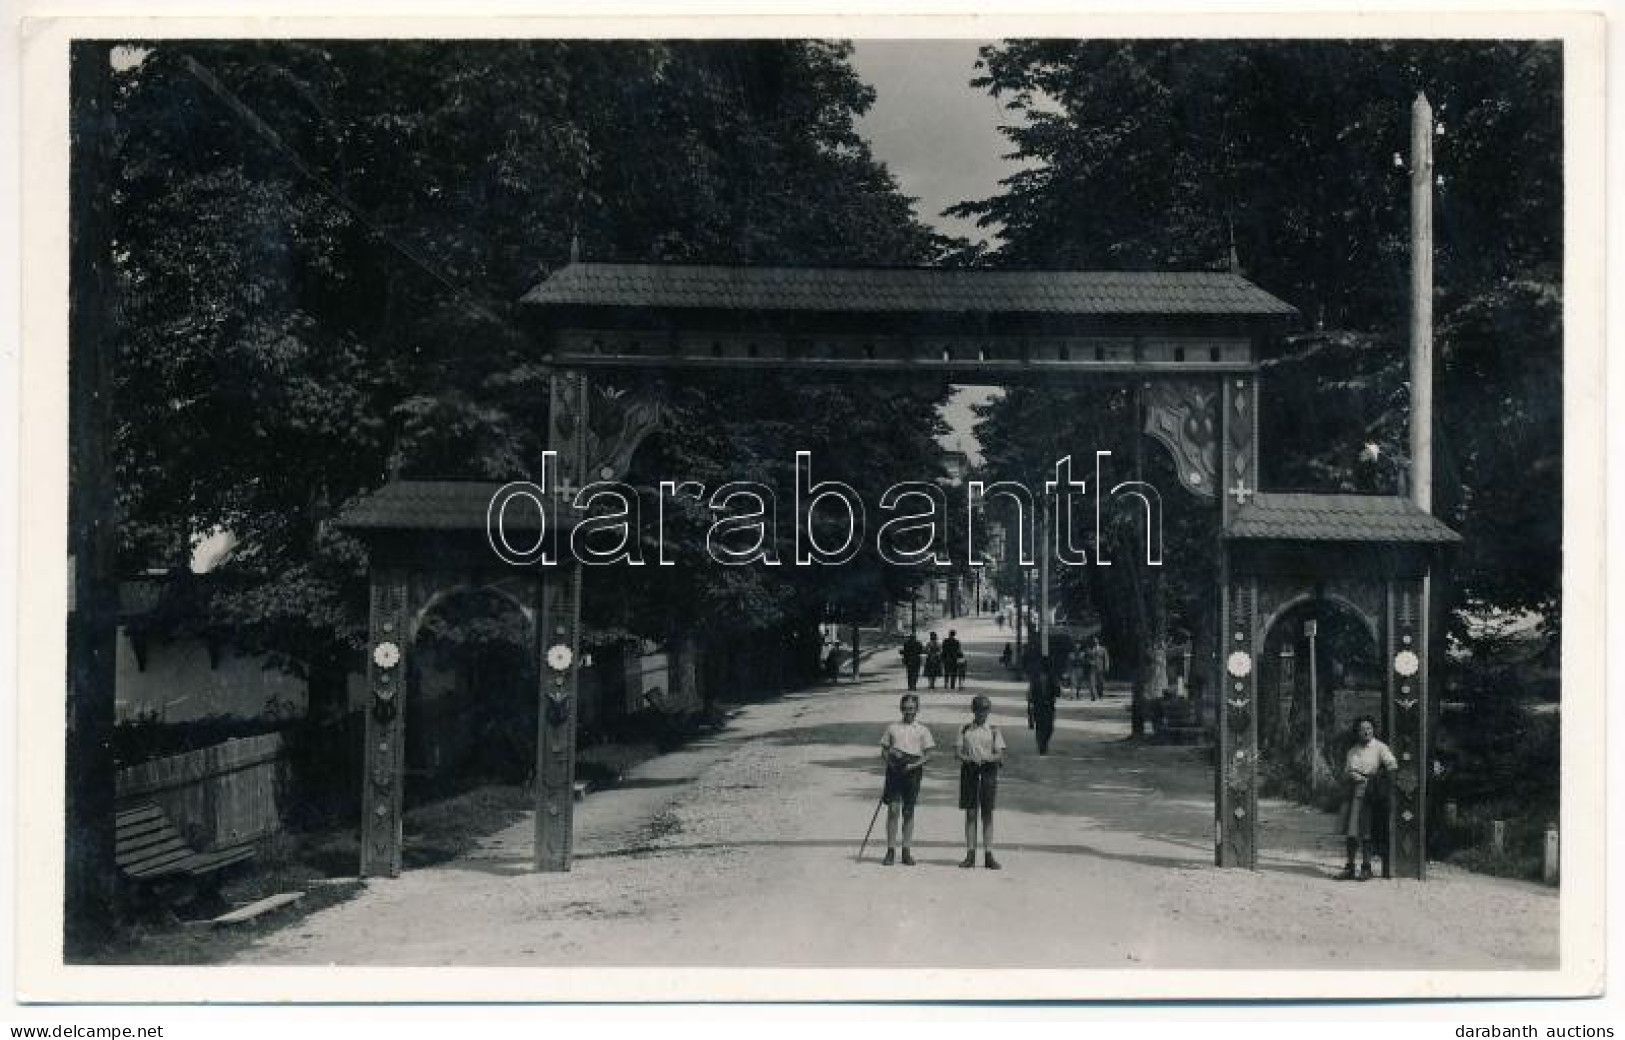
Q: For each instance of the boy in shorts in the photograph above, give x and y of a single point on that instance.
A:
(981, 753)
(905, 747)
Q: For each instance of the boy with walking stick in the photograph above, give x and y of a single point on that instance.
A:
(905, 747)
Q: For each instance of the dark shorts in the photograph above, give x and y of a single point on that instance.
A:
(904, 784)
(978, 785)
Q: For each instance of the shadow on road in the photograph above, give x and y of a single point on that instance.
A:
(511, 865)
(1092, 774)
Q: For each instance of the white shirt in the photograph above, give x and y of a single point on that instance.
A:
(979, 744)
(911, 738)
(1367, 759)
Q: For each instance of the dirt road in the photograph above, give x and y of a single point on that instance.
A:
(740, 851)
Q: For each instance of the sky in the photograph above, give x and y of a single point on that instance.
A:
(939, 137)
(937, 134)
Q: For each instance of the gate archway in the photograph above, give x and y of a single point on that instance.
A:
(1320, 670)
(470, 708)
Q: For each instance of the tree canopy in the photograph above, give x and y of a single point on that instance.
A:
(320, 246)
(1288, 160)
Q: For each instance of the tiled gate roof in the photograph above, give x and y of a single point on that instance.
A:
(920, 290)
(440, 505)
(1336, 518)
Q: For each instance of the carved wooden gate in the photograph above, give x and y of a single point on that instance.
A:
(1375, 555)
(427, 539)
(1191, 340)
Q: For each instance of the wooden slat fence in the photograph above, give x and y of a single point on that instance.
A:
(220, 795)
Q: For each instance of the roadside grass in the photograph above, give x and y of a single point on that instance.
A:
(443, 830)
(1467, 844)
(158, 933)
(603, 765)
(323, 866)
(1510, 864)
(169, 941)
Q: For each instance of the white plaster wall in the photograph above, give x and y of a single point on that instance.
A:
(180, 686)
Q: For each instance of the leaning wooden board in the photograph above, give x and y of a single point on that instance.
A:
(149, 847)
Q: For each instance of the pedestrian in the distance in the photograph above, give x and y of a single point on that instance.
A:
(952, 653)
(912, 653)
(1042, 688)
(832, 662)
(1100, 662)
(1007, 657)
(981, 752)
(933, 661)
(905, 747)
(1363, 767)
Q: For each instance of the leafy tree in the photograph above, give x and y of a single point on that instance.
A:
(1140, 608)
(1287, 159)
(319, 247)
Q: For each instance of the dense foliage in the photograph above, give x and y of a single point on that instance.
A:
(320, 246)
(1288, 160)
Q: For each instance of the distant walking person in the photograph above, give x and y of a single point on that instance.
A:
(912, 653)
(981, 753)
(952, 655)
(1042, 688)
(832, 661)
(905, 747)
(1100, 662)
(1007, 656)
(1362, 767)
(933, 661)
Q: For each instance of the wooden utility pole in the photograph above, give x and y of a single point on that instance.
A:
(1422, 304)
(1422, 431)
(1147, 672)
(91, 875)
(1021, 590)
(1043, 583)
(1317, 765)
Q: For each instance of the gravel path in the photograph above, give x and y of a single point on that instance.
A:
(740, 851)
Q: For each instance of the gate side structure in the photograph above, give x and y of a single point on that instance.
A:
(427, 540)
(1192, 341)
(1375, 555)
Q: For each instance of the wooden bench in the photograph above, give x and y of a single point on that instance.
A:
(150, 850)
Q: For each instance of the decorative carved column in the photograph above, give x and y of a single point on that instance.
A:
(559, 639)
(1236, 803)
(558, 651)
(385, 757)
(1184, 415)
(595, 429)
(1405, 727)
(1236, 773)
(1238, 410)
